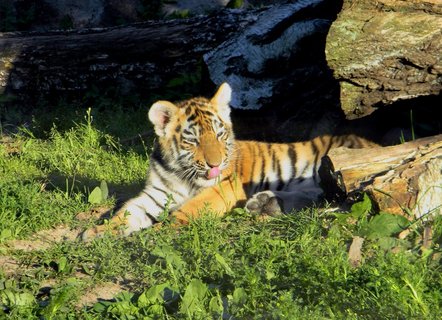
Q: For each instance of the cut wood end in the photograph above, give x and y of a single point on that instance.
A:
(400, 179)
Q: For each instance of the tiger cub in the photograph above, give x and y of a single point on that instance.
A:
(197, 162)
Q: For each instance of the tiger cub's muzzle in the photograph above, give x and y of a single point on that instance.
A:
(213, 156)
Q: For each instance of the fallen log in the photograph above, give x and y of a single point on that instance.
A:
(139, 58)
(145, 58)
(404, 179)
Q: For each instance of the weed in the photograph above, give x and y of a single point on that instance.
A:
(402, 138)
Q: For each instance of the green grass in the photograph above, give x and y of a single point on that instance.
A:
(48, 181)
(237, 267)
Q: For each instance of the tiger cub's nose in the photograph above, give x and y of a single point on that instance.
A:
(213, 157)
(213, 164)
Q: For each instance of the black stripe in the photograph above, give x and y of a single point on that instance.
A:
(281, 183)
(151, 217)
(253, 156)
(169, 185)
(266, 186)
(315, 165)
(158, 158)
(175, 142)
(183, 156)
(275, 166)
(187, 132)
(164, 181)
(192, 117)
(314, 147)
(263, 167)
(255, 188)
(206, 112)
(178, 128)
(154, 200)
(329, 145)
(293, 158)
(162, 191)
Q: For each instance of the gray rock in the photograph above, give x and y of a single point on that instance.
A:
(243, 60)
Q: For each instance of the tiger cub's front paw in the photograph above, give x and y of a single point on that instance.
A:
(264, 203)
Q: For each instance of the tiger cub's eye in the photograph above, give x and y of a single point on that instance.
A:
(190, 140)
(220, 134)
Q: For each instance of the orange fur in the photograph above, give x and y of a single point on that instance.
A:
(195, 137)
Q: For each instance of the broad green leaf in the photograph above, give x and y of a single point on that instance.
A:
(341, 217)
(17, 299)
(384, 225)
(62, 263)
(104, 191)
(220, 259)
(171, 256)
(362, 208)
(24, 299)
(239, 296)
(153, 295)
(270, 274)
(95, 196)
(5, 234)
(387, 243)
(124, 296)
(155, 310)
(216, 305)
(101, 306)
(194, 295)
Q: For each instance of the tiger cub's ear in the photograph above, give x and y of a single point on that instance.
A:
(160, 114)
(221, 100)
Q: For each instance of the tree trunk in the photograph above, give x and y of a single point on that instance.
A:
(273, 55)
(384, 51)
(401, 179)
(137, 59)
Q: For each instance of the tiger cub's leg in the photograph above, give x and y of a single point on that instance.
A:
(275, 202)
(138, 213)
(131, 217)
(220, 198)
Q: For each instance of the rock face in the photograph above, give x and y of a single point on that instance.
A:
(269, 55)
(278, 59)
(249, 60)
(385, 51)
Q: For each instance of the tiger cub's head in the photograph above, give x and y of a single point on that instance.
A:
(195, 136)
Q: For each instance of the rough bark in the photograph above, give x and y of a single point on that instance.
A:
(384, 51)
(263, 63)
(138, 58)
(398, 178)
(271, 56)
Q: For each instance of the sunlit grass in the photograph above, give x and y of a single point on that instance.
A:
(239, 267)
(46, 182)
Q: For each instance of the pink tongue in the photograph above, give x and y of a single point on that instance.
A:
(213, 172)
